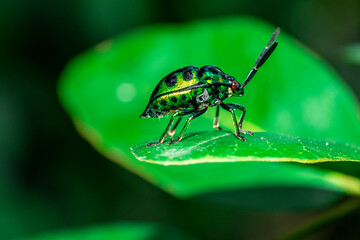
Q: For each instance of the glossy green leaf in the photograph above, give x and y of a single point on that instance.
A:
(220, 146)
(220, 154)
(295, 93)
(125, 231)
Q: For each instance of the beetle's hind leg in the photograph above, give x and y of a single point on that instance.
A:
(165, 133)
(216, 119)
(161, 140)
(192, 116)
(172, 131)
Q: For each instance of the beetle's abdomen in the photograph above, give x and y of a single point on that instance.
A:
(170, 94)
(176, 80)
(169, 103)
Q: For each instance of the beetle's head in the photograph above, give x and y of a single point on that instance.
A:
(236, 87)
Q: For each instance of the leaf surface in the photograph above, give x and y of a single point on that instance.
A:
(221, 146)
(218, 161)
(295, 93)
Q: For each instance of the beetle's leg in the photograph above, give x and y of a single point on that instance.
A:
(172, 131)
(192, 116)
(239, 107)
(178, 113)
(161, 140)
(231, 107)
(216, 119)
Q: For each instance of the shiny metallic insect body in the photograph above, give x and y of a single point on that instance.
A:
(190, 91)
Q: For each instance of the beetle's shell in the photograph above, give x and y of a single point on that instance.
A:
(176, 80)
(172, 93)
(167, 96)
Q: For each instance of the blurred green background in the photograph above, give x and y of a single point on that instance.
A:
(52, 179)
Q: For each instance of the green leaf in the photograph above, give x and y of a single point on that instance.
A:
(295, 93)
(232, 161)
(126, 231)
(220, 146)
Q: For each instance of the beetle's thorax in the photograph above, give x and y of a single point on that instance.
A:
(217, 83)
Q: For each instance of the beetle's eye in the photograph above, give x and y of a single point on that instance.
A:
(234, 85)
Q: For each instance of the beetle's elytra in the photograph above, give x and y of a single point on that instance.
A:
(190, 91)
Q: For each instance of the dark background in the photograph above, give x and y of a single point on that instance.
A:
(51, 178)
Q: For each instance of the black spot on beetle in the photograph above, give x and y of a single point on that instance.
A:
(224, 76)
(202, 71)
(163, 102)
(156, 106)
(213, 70)
(171, 80)
(208, 78)
(183, 97)
(188, 75)
(180, 70)
(200, 74)
(173, 99)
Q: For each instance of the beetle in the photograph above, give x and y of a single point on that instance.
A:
(190, 91)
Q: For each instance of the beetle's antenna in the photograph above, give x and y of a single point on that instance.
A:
(265, 54)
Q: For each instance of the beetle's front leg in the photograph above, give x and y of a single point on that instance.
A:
(239, 107)
(216, 119)
(231, 107)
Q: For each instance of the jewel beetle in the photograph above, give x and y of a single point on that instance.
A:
(190, 91)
